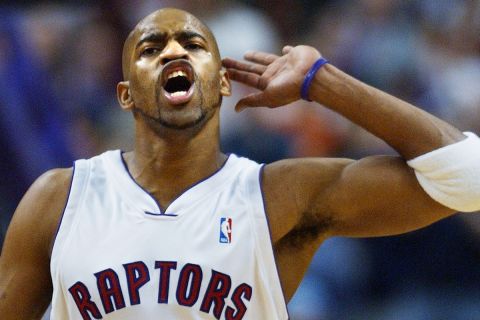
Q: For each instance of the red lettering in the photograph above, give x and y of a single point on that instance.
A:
(192, 275)
(110, 290)
(245, 291)
(218, 289)
(165, 267)
(137, 277)
(81, 296)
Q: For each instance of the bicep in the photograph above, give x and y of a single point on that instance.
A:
(320, 198)
(25, 283)
(25, 287)
(379, 196)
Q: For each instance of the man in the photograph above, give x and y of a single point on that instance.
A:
(177, 230)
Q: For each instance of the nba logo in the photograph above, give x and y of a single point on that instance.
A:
(225, 230)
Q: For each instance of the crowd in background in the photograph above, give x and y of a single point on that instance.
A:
(60, 62)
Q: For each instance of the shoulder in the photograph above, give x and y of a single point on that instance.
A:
(306, 166)
(308, 175)
(42, 205)
(48, 194)
(53, 181)
(48, 190)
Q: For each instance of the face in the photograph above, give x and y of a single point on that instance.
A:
(173, 71)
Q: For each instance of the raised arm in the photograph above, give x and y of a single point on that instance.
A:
(309, 200)
(25, 283)
(373, 196)
(408, 129)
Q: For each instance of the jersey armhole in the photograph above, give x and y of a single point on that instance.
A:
(263, 241)
(74, 196)
(59, 222)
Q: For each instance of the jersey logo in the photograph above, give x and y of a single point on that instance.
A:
(225, 230)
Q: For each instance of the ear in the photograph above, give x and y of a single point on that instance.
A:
(225, 86)
(124, 95)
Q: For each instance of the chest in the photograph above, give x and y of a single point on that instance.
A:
(198, 254)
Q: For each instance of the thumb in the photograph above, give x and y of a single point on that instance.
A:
(252, 100)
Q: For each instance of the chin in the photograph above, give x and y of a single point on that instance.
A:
(182, 122)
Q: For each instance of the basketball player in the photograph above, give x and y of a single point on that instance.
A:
(176, 229)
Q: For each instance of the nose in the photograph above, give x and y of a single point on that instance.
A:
(172, 51)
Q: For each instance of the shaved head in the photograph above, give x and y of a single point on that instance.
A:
(162, 19)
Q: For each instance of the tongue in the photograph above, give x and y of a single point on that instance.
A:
(178, 93)
(179, 97)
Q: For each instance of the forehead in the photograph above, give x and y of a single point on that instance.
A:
(171, 21)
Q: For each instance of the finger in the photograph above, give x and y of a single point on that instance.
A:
(260, 57)
(252, 100)
(286, 49)
(248, 78)
(244, 66)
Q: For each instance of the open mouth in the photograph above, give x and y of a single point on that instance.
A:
(178, 81)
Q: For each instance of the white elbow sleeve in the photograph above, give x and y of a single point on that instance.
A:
(451, 174)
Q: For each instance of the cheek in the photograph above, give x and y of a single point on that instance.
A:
(144, 84)
(146, 74)
(210, 79)
(144, 94)
(207, 67)
(210, 90)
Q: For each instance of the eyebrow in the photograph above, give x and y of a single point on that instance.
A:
(158, 37)
(151, 37)
(187, 35)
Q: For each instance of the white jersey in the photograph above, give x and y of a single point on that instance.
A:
(207, 256)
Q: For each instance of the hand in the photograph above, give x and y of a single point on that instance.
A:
(278, 77)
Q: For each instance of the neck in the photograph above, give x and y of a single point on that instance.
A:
(166, 165)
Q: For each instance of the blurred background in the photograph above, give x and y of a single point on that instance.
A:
(60, 62)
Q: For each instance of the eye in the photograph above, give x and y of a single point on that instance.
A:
(193, 46)
(150, 51)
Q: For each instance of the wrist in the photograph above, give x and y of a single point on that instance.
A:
(331, 86)
(309, 78)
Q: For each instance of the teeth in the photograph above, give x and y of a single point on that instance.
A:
(178, 93)
(177, 74)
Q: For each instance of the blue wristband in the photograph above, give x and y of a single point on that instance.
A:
(309, 78)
